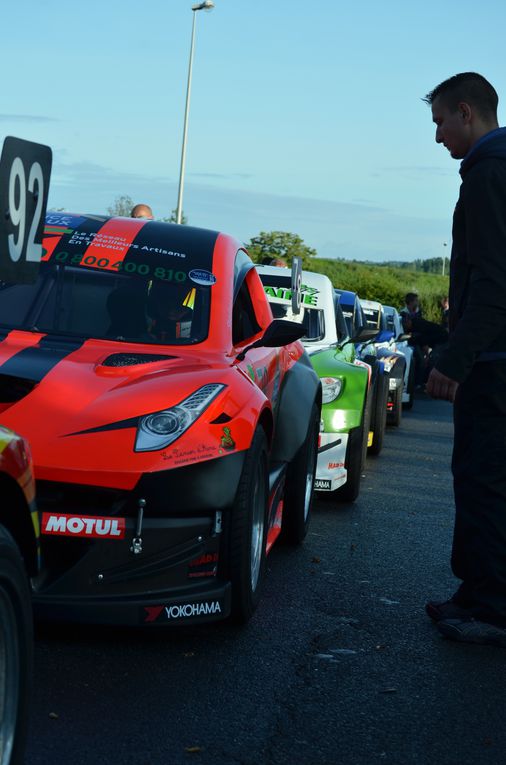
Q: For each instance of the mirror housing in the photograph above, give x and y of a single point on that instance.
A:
(279, 332)
(366, 334)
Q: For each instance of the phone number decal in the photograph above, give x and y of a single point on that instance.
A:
(128, 267)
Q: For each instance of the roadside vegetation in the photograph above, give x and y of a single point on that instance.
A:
(387, 283)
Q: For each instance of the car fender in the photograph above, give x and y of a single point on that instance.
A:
(301, 388)
(396, 362)
(346, 411)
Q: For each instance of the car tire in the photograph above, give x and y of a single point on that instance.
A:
(299, 489)
(356, 451)
(379, 414)
(410, 389)
(395, 416)
(16, 651)
(248, 531)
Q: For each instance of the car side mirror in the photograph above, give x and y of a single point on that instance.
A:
(366, 334)
(279, 332)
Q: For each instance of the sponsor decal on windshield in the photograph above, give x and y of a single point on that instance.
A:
(309, 295)
(126, 266)
(202, 277)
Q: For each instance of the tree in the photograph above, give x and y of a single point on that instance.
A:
(122, 206)
(173, 218)
(280, 244)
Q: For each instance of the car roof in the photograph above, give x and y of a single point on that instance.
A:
(137, 236)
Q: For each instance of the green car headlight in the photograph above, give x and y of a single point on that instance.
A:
(331, 388)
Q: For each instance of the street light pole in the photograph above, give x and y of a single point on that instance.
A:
(207, 5)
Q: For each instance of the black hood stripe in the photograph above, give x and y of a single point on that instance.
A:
(36, 362)
(131, 422)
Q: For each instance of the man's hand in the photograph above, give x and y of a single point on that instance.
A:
(440, 386)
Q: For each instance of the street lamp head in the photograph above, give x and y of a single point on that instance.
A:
(207, 5)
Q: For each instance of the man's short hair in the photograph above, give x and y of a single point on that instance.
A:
(410, 296)
(469, 87)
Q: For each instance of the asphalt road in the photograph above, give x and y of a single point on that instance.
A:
(338, 665)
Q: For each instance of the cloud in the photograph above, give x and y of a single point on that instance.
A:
(26, 118)
(222, 176)
(407, 171)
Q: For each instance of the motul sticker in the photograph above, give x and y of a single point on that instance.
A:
(83, 526)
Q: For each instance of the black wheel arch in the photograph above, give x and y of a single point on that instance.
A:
(301, 389)
(15, 517)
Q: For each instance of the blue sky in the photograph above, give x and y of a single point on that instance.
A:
(305, 116)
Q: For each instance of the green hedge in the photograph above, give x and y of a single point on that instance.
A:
(386, 284)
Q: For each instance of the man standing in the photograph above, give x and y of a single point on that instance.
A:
(471, 372)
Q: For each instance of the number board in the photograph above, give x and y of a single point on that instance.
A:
(25, 169)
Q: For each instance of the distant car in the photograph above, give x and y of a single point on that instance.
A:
(394, 362)
(18, 561)
(399, 343)
(173, 422)
(367, 354)
(344, 424)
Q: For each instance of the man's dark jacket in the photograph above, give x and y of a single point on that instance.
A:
(478, 261)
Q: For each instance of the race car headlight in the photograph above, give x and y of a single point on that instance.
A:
(159, 429)
(331, 389)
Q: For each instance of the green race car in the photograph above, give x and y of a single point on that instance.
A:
(344, 426)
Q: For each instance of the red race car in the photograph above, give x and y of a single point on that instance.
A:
(173, 422)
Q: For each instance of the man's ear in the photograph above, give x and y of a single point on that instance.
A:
(465, 112)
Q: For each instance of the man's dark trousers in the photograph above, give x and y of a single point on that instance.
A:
(479, 477)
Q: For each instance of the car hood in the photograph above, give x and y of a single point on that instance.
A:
(57, 392)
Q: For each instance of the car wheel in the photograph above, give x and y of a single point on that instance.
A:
(356, 451)
(379, 414)
(410, 390)
(248, 531)
(16, 651)
(395, 416)
(299, 485)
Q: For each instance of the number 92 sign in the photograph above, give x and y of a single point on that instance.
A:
(25, 169)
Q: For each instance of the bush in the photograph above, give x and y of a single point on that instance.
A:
(386, 284)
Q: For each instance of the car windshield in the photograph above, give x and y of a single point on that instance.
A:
(81, 301)
(279, 295)
(143, 283)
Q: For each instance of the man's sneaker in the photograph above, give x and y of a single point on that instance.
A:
(448, 609)
(471, 631)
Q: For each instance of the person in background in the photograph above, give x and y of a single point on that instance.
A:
(409, 314)
(412, 305)
(471, 371)
(142, 211)
(445, 311)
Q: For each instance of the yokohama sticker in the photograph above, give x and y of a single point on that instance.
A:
(83, 526)
(322, 485)
(181, 611)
